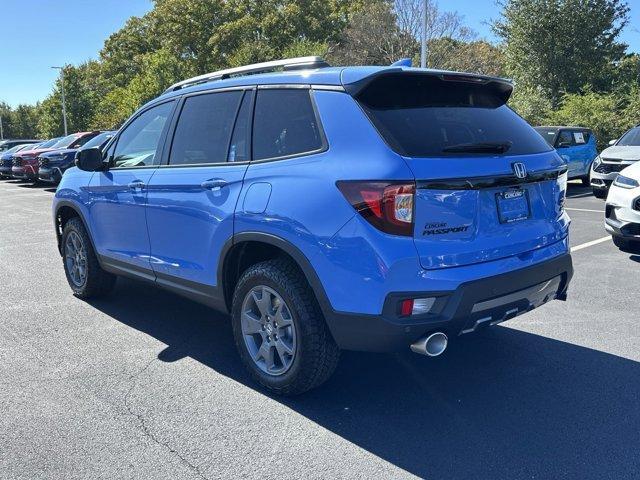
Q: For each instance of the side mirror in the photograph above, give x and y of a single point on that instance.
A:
(613, 142)
(564, 144)
(90, 160)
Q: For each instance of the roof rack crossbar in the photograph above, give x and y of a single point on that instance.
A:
(298, 63)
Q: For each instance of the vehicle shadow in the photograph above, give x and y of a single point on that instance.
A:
(577, 190)
(500, 404)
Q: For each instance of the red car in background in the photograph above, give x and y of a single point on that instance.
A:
(25, 163)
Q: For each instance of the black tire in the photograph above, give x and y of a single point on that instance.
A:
(317, 354)
(628, 246)
(586, 182)
(97, 282)
(599, 193)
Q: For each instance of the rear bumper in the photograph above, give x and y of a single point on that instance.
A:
(471, 306)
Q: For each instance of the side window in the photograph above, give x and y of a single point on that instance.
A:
(204, 128)
(284, 124)
(240, 148)
(138, 143)
(565, 137)
(580, 137)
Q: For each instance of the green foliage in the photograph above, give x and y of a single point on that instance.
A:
(531, 103)
(373, 38)
(562, 45)
(475, 56)
(20, 122)
(604, 112)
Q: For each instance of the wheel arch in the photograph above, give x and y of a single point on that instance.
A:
(231, 265)
(64, 212)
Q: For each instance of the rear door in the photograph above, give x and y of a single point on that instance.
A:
(487, 184)
(192, 199)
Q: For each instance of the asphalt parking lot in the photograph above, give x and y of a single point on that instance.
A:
(146, 384)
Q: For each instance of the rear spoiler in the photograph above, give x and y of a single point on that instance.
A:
(501, 87)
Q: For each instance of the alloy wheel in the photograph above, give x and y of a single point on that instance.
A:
(76, 259)
(268, 330)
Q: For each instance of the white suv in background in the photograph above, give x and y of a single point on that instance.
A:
(622, 210)
(605, 168)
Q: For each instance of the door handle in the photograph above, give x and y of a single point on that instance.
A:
(213, 184)
(137, 184)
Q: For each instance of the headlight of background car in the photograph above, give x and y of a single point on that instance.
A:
(625, 182)
(561, 184)
(597, 161)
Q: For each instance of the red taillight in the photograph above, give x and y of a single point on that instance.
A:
(388, 206)
(406, 307)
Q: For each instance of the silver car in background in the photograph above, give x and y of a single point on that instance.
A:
(623, 152)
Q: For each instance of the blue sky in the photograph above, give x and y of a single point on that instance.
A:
(37, 34)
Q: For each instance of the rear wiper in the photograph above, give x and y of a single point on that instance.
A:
(481, 147)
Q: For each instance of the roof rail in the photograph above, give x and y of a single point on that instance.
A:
(298, 63)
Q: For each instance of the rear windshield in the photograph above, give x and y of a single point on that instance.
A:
(631, 138)
(424, 116)
(549, 134)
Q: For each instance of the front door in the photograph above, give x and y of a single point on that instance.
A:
(192, 200)
(118, 195)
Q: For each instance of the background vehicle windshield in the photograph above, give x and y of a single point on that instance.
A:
(14, 149)
(630, 139)
(48, 143)
(423, 116)
(65, 142)
(98, 140)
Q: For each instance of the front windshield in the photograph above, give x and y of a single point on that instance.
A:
(49, 143)
(14, 149)
(65, 142)
(98, 141)
(630, 139)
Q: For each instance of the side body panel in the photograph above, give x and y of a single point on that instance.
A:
(117, 215)
(189, 222)
(306, 209)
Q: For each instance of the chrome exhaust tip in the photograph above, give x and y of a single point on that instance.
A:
(432, 345)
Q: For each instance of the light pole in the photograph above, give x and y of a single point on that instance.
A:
(1, 130)
(64, 103)
(423, 51)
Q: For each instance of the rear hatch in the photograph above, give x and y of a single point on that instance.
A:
(487, 185)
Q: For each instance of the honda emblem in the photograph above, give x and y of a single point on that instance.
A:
(520, 170)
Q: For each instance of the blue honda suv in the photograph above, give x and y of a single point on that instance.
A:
(323, 208)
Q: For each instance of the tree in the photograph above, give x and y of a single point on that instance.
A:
(531, 103)
(475, 56)
(562, 45)
(374, 38)
(441, 25)
(600, 111)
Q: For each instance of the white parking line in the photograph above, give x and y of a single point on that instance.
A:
(584, 210)
(590, 244)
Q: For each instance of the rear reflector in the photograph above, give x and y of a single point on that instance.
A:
(416, 306)
(388, 206)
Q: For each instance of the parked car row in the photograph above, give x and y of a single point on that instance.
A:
(37, 160)
(577, 147)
